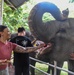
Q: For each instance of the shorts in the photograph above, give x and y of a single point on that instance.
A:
(4, 72)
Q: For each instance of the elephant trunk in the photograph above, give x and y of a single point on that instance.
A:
(44, 31)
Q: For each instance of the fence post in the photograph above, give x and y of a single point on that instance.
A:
(55, 69)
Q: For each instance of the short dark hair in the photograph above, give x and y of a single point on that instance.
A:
(21, 29)
(2, 27)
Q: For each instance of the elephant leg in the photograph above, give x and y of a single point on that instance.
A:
(58, 72)
(59, 64)
(32, 69)
(71, 66)
(50, 69)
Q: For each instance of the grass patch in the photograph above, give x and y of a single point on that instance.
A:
(45, 67)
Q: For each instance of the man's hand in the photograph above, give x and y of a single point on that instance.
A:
(4, 62)
(47, 48)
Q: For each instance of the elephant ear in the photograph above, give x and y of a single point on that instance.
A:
(44, 31)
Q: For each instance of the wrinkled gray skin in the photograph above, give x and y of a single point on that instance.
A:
(60, 32)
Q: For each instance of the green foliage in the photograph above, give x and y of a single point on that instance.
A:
(71, 1)
(19, 17)
(15, 18)
(45, 67)
(47, 17)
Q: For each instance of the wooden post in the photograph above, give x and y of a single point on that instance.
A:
(1, 11)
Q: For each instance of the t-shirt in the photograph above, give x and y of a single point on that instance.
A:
(5, 52)
(21, 58)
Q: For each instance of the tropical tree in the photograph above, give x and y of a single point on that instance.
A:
(16, 18)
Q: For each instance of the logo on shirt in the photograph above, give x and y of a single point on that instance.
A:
(21, 42)
(24, 43)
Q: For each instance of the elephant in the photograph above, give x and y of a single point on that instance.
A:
(59, 32)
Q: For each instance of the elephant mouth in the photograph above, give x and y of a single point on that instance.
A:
(47, 48)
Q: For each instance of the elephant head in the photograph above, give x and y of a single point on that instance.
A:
(45, 31)
(59, 32)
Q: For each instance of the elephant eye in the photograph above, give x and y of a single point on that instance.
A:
(62, 30)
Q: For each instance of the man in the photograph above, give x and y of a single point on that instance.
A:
(21, 60)
(7, 47)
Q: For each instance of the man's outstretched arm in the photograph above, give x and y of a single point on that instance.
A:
(21, 49)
